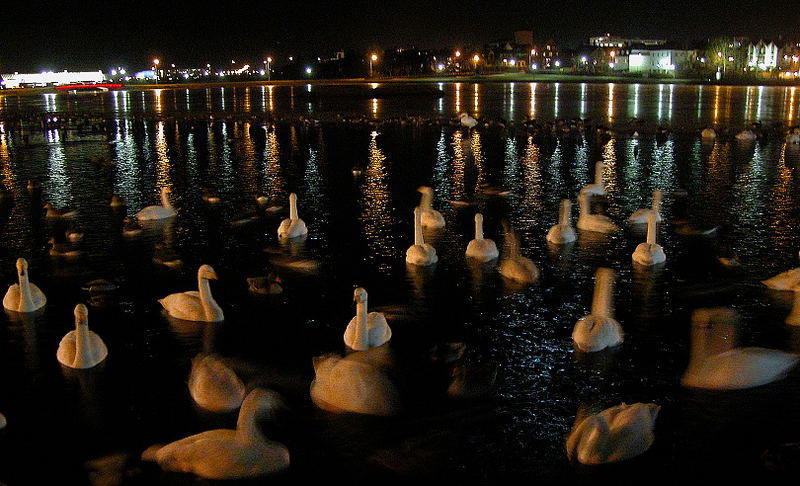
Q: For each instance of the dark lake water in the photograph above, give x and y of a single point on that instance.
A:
(241, 143)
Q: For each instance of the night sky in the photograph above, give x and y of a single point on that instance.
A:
(92, 35)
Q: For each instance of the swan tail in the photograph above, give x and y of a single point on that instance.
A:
(151, 453)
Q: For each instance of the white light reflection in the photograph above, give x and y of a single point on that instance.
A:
(671, 97)
(583, 100)
(58, 185)
(699, 101)
(610, 102)
(511, 87)
(660, 100)
(556, 87)
(458, 98)
(477, 98)
(636, 100)
(376, 211)
(533, 100)
(273, 178)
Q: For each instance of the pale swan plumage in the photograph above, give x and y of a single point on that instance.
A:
(367, 329)
(195, 305)
(649, 252)
(467, 121)
(598, 223)
(429, 217)
(716, 363)
(793, 319)
(420, 253)
(81, 348)
(598, 188)
(788, 280)
(746, 135)
(599, 330)
(640, 215)
(293, 226)
(615, 434)
(481, 249)
(225, 453)
(563, 232)
(708, 134)
(351, 384)
(155, 212)
(23, 296)
(516, 267)
(214, 386)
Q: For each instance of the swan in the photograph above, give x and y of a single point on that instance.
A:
(195, 305)
(649, 252)
(366, 330)
(3, 421)
(225, 453)
(158, 212)
(598, 188)
(563, 232)
(716, 363)
(598, 223)
(467, 121)
(269, 285)
(23, 296)
(599, 329)
(351, 384)
(81, 348)
(516, 267)
(430, 217)
(640, 215)
(793, 319)
(292, 226)
(708, 134)
(746, 135)
(793, 136)
(214, 386)
(615, 434)
(788, 280)
(53, 213)
(481, 249)
(420, 253)
(116, 201)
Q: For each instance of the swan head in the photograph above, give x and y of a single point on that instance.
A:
(81, 315)
(165, 190)
(206, 272)
(22, 266)
(425, 190)
(360, 295)
(478, 218)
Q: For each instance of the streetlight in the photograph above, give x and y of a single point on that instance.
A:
(155, 68)
(267, 63)
(475, 60)
(372, 58)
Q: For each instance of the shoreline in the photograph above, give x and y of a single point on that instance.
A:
(481, 78)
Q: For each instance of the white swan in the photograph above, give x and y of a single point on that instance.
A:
(563, 232)
(351, 384)
(367, 329)
(481, 249)
(516, 267)
(23, 296)
(599, 330)
(788, 280)
(195, 305)
(430, 218)
(716, 363)
(155, 212)
(649, 252)
(420, 253)
(81, 348)
(55, 214)
(292, 226)
(746, 135)
(615, 434)
(640, 215)
(793, 136)
(467, 121)
(708, 134)
(598, 223)
(225, 453)
(214, 386)
(598, 188)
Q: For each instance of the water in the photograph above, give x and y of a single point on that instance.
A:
(244, 142)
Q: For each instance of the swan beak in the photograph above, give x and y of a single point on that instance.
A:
(212, 276)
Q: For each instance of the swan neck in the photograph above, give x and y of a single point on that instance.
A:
(361, 340)
(657, 200)
(427, 200)
(418, 238)
(83, 347)
(165, 198)
(478, 228)
(598, 173)
(565, 214)
(210, 306)
(25, 297)
(293, 207)
(246, 425)
(651, 228)
(602, 301)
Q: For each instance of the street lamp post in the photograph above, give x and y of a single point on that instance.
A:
(155, 68)
(372, 58)
(268, 62)
(475, 60)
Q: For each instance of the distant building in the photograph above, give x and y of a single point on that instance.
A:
(50, 78)
(609, 40)
(660, 61)
(762, 55)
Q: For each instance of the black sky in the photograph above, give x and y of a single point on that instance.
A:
(94, 35)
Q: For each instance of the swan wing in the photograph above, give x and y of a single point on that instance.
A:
(11, 299)
(184, 305)
(155, 212)
(788, 280)
(741, 368)
(66, 349)
(343, 385)
(214, 386)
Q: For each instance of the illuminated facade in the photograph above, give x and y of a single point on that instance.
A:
(762, 55)
(609, 40)
(659, 61)
(45, 79)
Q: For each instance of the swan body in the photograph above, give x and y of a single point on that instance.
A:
(164, 211)
(708, 134)
(717, 364)
(53, 213)
(292, 226)
(640, 215)
(367, 329)
(649, 252)
(516, 267)
(81, 348)
(430, 218)
(598, 188)
(788, 280)
(196, 305)
(615, 434)
(214, 386)
(351, 385)
(793, 319)
(269, 285)
(599, 330)
(598, 223)
(467, 121)
(746, 135)
(563, 232)
(228, 454)
(793, 137)
(481, 249)
(420, 253)
(23, 296)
